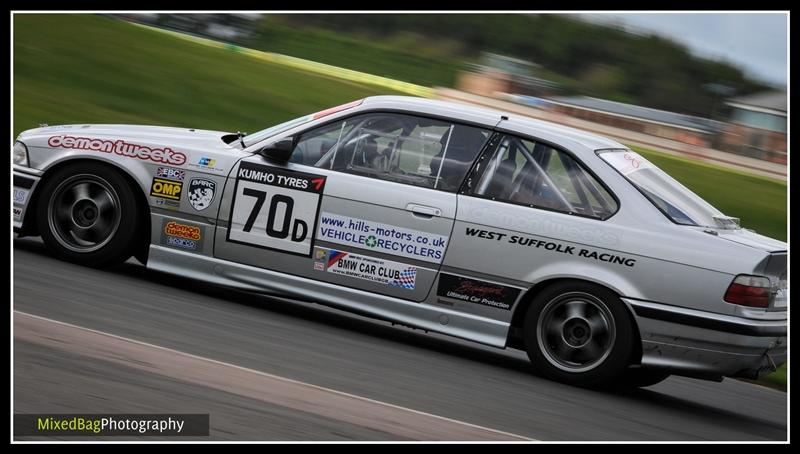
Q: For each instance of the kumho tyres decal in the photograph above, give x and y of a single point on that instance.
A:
(477, 292)
(371, 269)
(275, 209)
(120, 147)
(553, 246)
(384, 238)
(182, 235)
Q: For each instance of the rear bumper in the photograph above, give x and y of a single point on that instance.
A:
(707, 345)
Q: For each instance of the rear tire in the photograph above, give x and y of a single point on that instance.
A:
(579, 333)
(87, 214)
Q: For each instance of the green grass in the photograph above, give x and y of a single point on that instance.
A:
(408, 57)
(760, 202)
(91, 69)
(776, 379)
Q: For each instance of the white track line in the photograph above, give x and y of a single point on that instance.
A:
(279, 378)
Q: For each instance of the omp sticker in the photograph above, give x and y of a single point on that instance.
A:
(275, 209)
(20, 196)
(181, 235)
(477, 292)
(371, 269)
(167, 189)
(385, 238)
(120, 147)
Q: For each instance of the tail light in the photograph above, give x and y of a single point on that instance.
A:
(750, 291)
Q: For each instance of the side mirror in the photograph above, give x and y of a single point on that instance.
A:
(279, 151)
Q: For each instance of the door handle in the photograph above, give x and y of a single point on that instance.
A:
(423, 210)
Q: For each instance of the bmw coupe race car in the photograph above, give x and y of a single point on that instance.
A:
(486, 226)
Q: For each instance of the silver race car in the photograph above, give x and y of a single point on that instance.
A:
(486, 226)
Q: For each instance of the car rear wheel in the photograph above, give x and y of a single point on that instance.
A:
(579, 333)
(87, 214)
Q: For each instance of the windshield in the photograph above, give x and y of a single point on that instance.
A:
(675, 200)
(256, 137)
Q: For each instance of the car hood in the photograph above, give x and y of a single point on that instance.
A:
(752, 239)
(174, 137)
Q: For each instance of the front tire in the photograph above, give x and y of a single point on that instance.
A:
(579, 333)
(87, 214)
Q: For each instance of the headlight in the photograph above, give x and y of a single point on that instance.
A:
(20, 154)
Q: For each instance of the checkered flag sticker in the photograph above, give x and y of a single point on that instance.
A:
(407, 278)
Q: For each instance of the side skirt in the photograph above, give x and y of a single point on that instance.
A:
(416, 315)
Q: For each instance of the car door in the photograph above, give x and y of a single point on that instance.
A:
(366, 202)
(527, 206)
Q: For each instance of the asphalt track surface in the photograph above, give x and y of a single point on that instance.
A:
(131, 340)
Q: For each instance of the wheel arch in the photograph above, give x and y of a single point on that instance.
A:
(29, 225)
(515, 332)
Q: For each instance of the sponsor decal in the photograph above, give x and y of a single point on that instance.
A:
(319, 266)
(170, 173)
(17, 213)
(275, 209)
(166, 204)
(20, 196)
(166, 189)
(477, 292)
(201, 193)
(627, 162)
(181, 235)
(384, 238)
(207, 164)
(131, 150)
(529, 242)
(371, 269)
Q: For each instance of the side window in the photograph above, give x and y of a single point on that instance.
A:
(535, 174)
(394, 147)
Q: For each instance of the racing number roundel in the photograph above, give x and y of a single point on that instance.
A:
(275, 208)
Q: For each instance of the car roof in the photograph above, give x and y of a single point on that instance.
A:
(515, 122)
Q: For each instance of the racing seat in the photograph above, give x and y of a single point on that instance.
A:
(500, 185)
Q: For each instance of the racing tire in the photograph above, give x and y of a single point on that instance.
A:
(87, 214)
(579, 333)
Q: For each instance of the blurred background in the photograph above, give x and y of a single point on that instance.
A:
(701, 95)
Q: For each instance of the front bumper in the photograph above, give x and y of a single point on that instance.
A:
(707, 345)
(25, 182)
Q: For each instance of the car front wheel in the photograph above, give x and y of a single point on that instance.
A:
(579, 333)
(87, 214)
